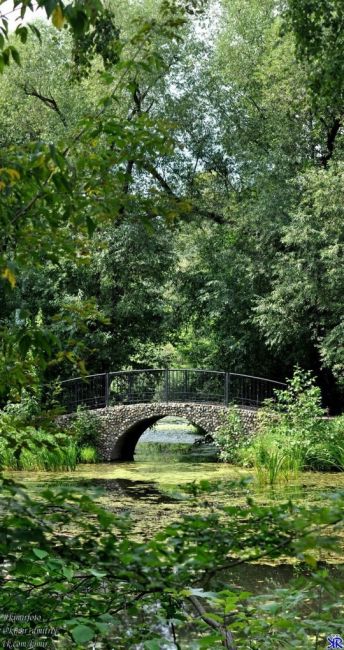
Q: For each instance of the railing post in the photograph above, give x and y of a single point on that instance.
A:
(227, 379)
(130, 386)
(166, 391)
(107, 389)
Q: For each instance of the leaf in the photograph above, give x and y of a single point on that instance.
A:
(153, 644)
(82, 634)
(24, 344)
(22, 32)
(68, 573)
(35, 31)
(12, 173)
(40, 553)
(15, 55)
(91, 226)
(77, 18)
(57, 17)
(98, 574)
(9, 275)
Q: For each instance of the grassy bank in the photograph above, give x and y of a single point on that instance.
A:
(292, 435)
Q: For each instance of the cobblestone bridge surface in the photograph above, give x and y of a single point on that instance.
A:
(121, 426)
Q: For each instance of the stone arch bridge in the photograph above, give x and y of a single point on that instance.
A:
(129, 402)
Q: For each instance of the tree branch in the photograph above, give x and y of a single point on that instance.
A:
(228, 640)
(332, 133)
(207, 214)
(50, 102)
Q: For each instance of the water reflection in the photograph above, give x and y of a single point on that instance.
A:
(151, 489)
(124, 487)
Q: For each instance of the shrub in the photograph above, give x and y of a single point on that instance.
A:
(328, 452)
(24, 444)
(293, 433)
(88, 454)
(231, 438)
(25, 410)
(85, 428)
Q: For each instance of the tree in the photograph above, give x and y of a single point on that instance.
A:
(55, 194)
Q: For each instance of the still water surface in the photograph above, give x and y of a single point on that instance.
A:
(150, 489)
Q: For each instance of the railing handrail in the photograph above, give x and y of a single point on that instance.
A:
(215, 372)
(167, 385)
(98, 374)
(124, 372)
(272, 381)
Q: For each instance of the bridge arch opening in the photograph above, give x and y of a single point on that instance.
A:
(169, 430)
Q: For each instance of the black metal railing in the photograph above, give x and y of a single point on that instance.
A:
(151, 385)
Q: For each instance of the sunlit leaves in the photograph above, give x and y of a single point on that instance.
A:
(318, 28)
(111, 581)
(9, 275)
(82, 634)
(57, 17)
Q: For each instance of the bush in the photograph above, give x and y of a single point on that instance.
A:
(85, 428)
(25, 410)
(292, 434)
(328, 451)
(88, 455)
(231, 438)
(25, 444)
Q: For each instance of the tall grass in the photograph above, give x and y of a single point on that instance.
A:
(273, 460)
(88, 454)
(43, 459)
(293, 434)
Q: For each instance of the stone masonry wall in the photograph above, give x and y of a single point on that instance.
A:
(121, 423)
(121, 426)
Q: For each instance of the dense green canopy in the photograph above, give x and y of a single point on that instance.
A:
(171, 190)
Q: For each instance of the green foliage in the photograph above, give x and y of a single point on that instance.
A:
(274, 458)
(221, 132)
(60, 458)
(294, 435)
(31, 441)
(85, 428)
(88, 454)
(65, 145)
(231, 437)
(257, 176)
(327, 452)
(307, 305)
(318, 27)
(79, 18)
(103, 41)
(98, 583)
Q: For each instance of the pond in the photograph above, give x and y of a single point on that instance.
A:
(150, 489)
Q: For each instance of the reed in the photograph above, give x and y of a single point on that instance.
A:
(43, 459)
(275, 460)
(88, 454)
